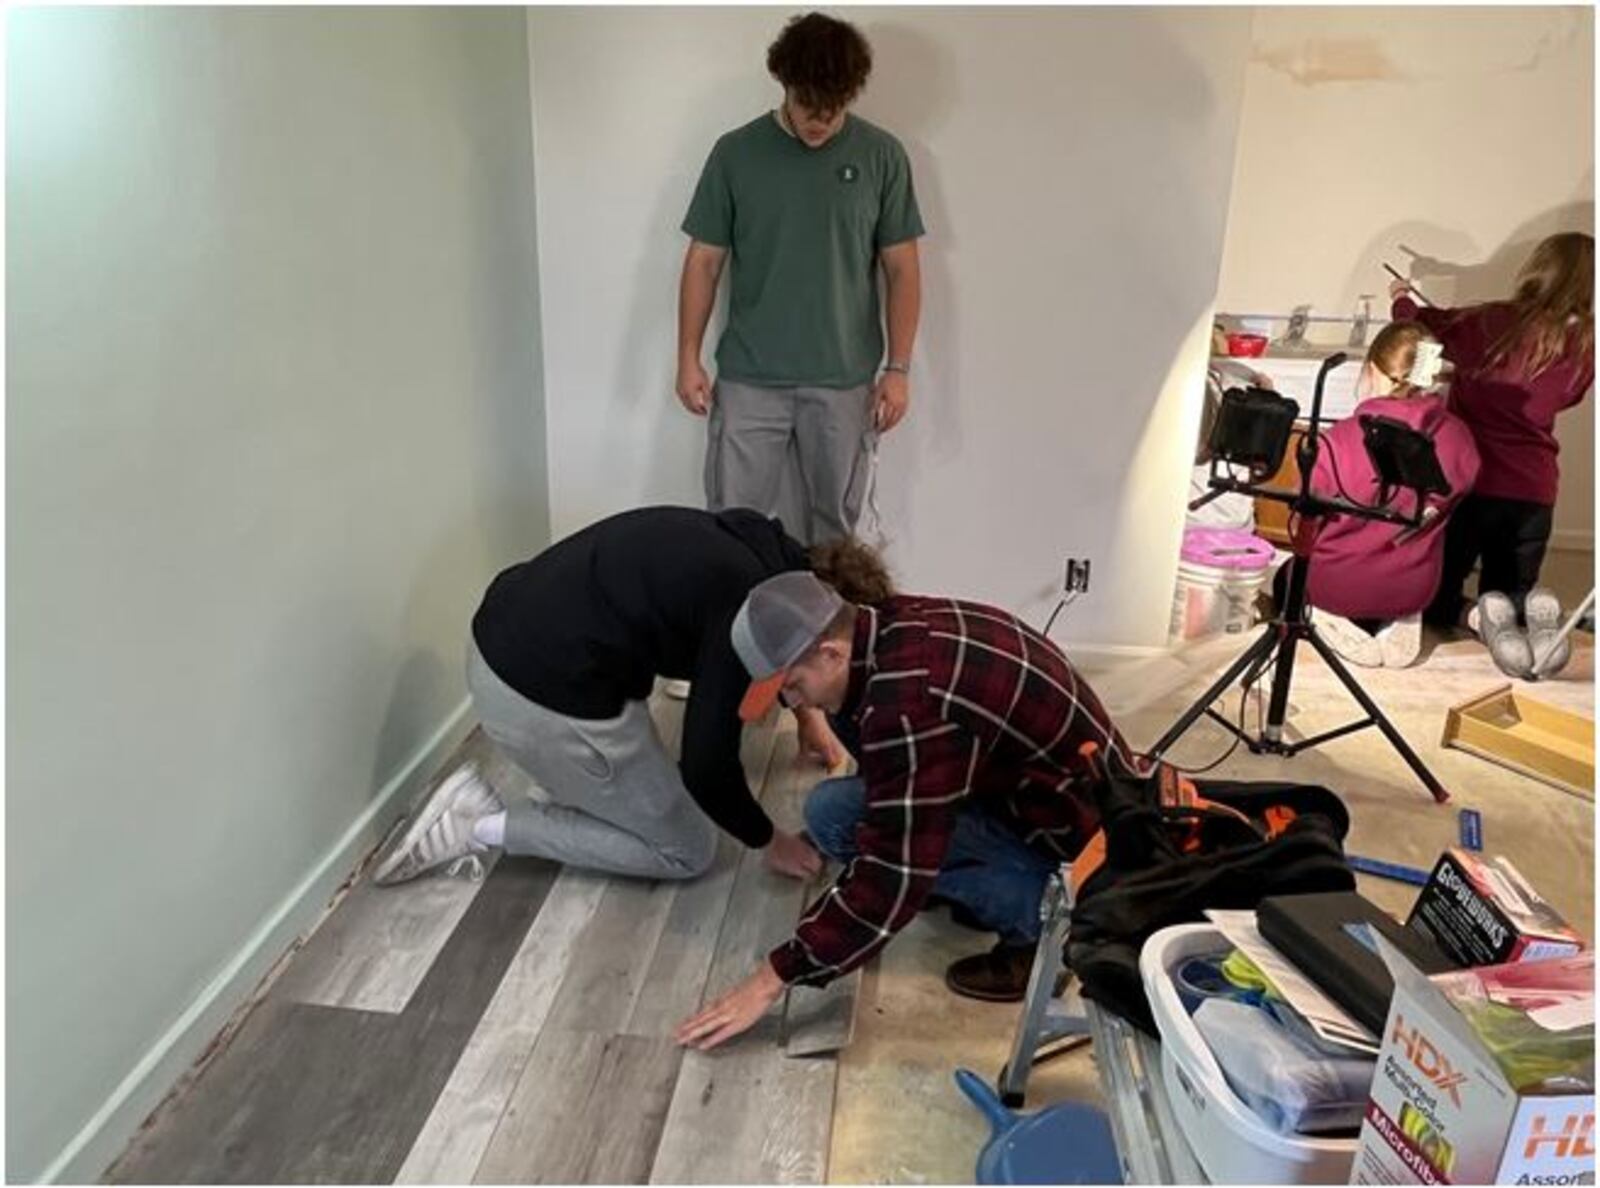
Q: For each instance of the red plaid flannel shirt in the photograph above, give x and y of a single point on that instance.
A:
(953, 700)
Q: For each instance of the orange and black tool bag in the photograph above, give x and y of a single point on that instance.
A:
(1169, 848)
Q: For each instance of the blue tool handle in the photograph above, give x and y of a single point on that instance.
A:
(985, 1098)
(1388, 870)
(1471, 829)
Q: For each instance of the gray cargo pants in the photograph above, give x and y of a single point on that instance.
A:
(804, 455)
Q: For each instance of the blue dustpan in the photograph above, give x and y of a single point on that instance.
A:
(1066, 1143)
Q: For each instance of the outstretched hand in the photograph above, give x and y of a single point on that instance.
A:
(736, 1011)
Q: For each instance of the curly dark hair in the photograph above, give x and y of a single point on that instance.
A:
(854, 569)
(824, 62)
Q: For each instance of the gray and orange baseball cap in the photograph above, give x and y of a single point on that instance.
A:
(780, 619)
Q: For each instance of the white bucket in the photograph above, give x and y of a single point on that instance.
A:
(1220, 571)
(1209, 600)
(1212, 599)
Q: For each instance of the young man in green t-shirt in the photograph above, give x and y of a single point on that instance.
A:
(806, 201)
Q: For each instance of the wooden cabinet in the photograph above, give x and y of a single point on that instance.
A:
(1272, 517)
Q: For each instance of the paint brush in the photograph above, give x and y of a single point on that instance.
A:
(1394, 272)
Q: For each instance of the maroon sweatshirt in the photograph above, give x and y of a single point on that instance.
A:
(1512, 419)
(1366, 569)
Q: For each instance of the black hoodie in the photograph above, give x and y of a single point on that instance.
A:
(589, 623)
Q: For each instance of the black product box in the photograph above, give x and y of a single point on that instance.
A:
(1329, 936)
(1481, 911)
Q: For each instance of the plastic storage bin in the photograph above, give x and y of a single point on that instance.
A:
(1228, 1140)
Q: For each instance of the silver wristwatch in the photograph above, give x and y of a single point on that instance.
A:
(902, 368)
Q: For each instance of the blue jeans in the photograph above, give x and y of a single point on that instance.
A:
(988, 870)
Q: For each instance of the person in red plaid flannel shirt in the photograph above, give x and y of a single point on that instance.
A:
(971, 789)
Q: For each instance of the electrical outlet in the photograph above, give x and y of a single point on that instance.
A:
(1077, 575)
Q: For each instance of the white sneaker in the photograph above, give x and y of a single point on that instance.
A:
(440, 830)
(1507, 642)
(1401, 642)
(677, 690)
(1344, 637)
(1542, 609)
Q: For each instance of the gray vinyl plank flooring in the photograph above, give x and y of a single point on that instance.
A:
(459, 1130)
(314, 1094)
(609, 963)
(473, 963)
(674, 975)
(301, 1095)
(764, 905)
(745, 1113)
(519, 1030)
(463, 1120)
(641, 965)
(675, 981)
(588, 1110)
(373, 950)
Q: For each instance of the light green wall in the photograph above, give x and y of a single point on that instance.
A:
(273, 419)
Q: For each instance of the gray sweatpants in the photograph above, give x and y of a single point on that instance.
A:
(617, 801)
(801, 454)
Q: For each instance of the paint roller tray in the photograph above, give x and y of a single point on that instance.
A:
(1534, 738)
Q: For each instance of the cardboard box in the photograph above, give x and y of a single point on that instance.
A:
(1481, 911)
(1456, 1097)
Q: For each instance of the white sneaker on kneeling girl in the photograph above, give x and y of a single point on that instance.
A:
(1401, 641)
(1344, 637)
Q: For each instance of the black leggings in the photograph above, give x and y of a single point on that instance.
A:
(1508, 535)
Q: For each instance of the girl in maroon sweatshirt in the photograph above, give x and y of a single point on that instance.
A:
(1369, 581)
(1518, 363)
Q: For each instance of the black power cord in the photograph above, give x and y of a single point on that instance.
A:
(1249, 682)
(1066, 601)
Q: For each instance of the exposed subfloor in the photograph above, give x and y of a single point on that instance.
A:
(898, 1116)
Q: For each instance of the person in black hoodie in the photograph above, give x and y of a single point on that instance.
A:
(564, 652)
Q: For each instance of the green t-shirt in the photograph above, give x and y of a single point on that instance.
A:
(803, 227)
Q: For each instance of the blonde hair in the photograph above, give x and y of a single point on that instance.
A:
(1553, 304)
(854, 569)
(1394, 351)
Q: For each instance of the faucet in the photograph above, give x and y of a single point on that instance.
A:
(1363, 319)
(1294, 338)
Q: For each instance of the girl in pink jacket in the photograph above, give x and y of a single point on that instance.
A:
(1370, 581)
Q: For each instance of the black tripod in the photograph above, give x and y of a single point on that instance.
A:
(1292, 625)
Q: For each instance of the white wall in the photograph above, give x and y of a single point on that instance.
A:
(1073, 168)
(272, 422)
(1465, 133)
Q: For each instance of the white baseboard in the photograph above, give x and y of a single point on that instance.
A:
(103, 1137)
(1090, 653)
(1577, 540)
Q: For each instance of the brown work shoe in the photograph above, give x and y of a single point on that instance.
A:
(1000, 975)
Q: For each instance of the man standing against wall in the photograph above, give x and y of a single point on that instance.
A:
(805, 202)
